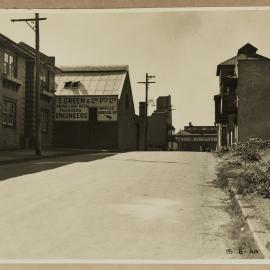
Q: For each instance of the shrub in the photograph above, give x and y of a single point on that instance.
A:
(248, 151)
(222, 151)
(255, 178)
(246, 157)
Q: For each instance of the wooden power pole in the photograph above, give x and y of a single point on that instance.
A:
(146, 82)
(35, 27)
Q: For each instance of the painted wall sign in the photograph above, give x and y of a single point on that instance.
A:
(76, 108)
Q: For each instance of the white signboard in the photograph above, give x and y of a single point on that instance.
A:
(107, 113)
(76, 108)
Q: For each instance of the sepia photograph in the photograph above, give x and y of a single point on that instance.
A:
(135, 135)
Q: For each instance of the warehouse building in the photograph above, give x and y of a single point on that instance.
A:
(94, 108)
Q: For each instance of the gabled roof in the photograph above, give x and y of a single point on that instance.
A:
(183, 133)
(97, 80)
(247, 49)
(50, 60)
(94, 68)
(27, 50)
(32, 51)
(229, 62)
(14, 45)
(247, 52)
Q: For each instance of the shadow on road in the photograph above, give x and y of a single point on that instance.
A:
(17, 169)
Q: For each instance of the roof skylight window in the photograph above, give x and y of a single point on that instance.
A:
(76, 84)
(68, 84)
(71, 85)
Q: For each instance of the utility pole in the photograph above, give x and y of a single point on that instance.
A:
(35, 27)
(146, 82)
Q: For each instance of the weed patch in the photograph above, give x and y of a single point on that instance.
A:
(243, 161)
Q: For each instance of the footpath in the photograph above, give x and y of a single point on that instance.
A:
(21, 155)
(254, 209)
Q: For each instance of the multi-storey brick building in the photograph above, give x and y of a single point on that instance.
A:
(12, 93)
(242, 108)
(47, 90)
(17, 95)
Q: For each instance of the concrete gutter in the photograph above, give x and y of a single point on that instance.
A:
(51, 155)
(260, 233)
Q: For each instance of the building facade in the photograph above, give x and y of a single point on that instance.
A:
(242, 108)
(197, 138)
(17, 95)
(160, 128)
(47, 90)
(12, 93)
(94, 108)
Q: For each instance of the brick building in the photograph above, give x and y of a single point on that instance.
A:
(197, 138)
(242, 108)
(94, 108)
(160, 128)
(17, 95)
(12, 93)
(47, 90)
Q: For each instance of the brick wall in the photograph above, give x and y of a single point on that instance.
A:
(11, 138)
(253, 92)
(46, 103)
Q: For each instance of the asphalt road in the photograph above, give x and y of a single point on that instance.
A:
(154, 205)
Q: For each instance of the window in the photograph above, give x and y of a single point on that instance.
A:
(9, 64)
(9, 114)
(76, 84)
(68, 84)
(73, 85)
(44, 120)
(44, 81)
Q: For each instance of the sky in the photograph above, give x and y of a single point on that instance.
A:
(182, 48)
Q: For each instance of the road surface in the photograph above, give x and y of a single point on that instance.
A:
(137, 205)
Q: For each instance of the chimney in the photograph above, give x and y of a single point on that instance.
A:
(141, 108)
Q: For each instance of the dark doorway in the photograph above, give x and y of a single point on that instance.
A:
(92, 139)
(224, 136)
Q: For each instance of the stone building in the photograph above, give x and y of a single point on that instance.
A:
(94, 108)
(242, 108)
